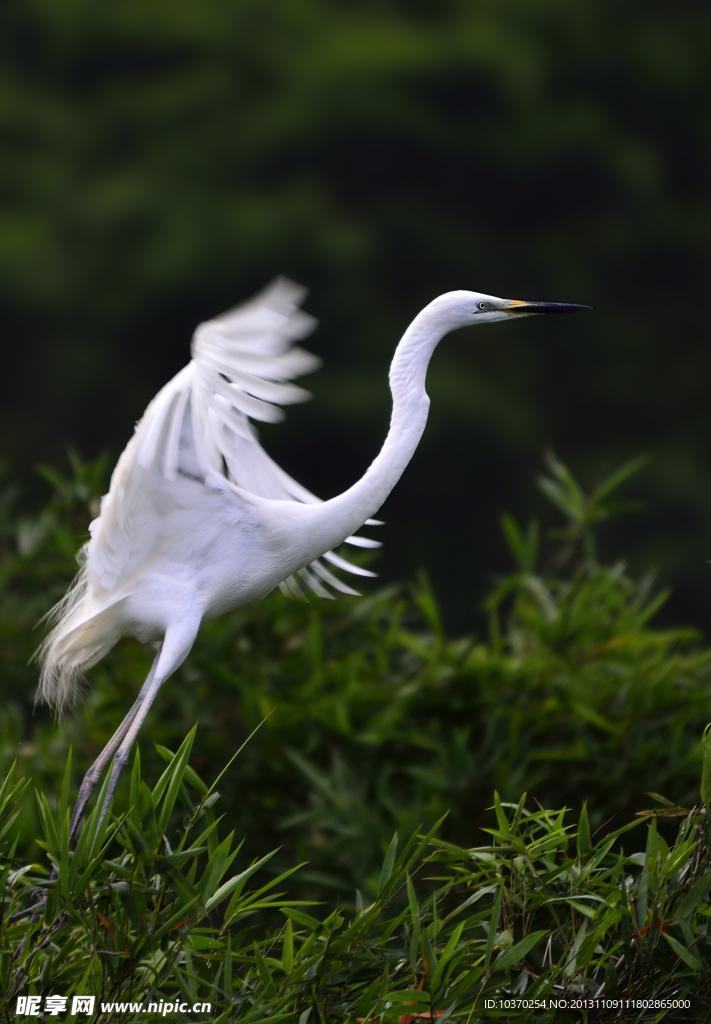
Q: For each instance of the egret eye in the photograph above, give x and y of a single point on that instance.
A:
(482, 305)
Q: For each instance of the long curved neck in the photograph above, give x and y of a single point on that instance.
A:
(346, 513)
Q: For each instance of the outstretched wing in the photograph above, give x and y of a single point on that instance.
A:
(242, 369)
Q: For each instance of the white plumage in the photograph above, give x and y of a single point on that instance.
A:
(197, 428)
(199, 519)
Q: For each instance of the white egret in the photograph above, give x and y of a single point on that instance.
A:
(199, 520)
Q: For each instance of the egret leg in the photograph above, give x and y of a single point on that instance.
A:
(126, 741)
(94, 773)
(176, 644)
(92, 777)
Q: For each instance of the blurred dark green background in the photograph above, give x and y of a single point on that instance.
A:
(162, 159)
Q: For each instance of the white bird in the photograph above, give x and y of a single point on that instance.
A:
(199, 520)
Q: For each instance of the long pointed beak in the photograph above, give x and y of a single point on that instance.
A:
(519, 308)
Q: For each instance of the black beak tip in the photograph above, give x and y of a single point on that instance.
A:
(529, 308)
(559, 307)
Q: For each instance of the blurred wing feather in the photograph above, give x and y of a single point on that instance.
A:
(242, 368)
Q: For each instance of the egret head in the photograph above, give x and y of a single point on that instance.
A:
(462, 309)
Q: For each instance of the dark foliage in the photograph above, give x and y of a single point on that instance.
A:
(162, 159)
(368, 718)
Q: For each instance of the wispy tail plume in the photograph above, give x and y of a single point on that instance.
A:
(74, 644)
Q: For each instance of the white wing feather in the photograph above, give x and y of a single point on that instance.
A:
(242, 367)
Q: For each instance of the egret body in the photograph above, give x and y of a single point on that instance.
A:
(199, 520)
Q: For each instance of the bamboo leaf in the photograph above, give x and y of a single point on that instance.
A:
(447, 955)
(500, 816)
(177, 771)
(619, 477)
(287, 956)
(690, 957)
(493, 926)
(387, 868)
(518, 952)
(263, 971)
(237, 881)
(583, 837)
(696, 894)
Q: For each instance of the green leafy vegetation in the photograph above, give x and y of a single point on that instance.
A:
(368, 718)
(148, 908)
(348, 875)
